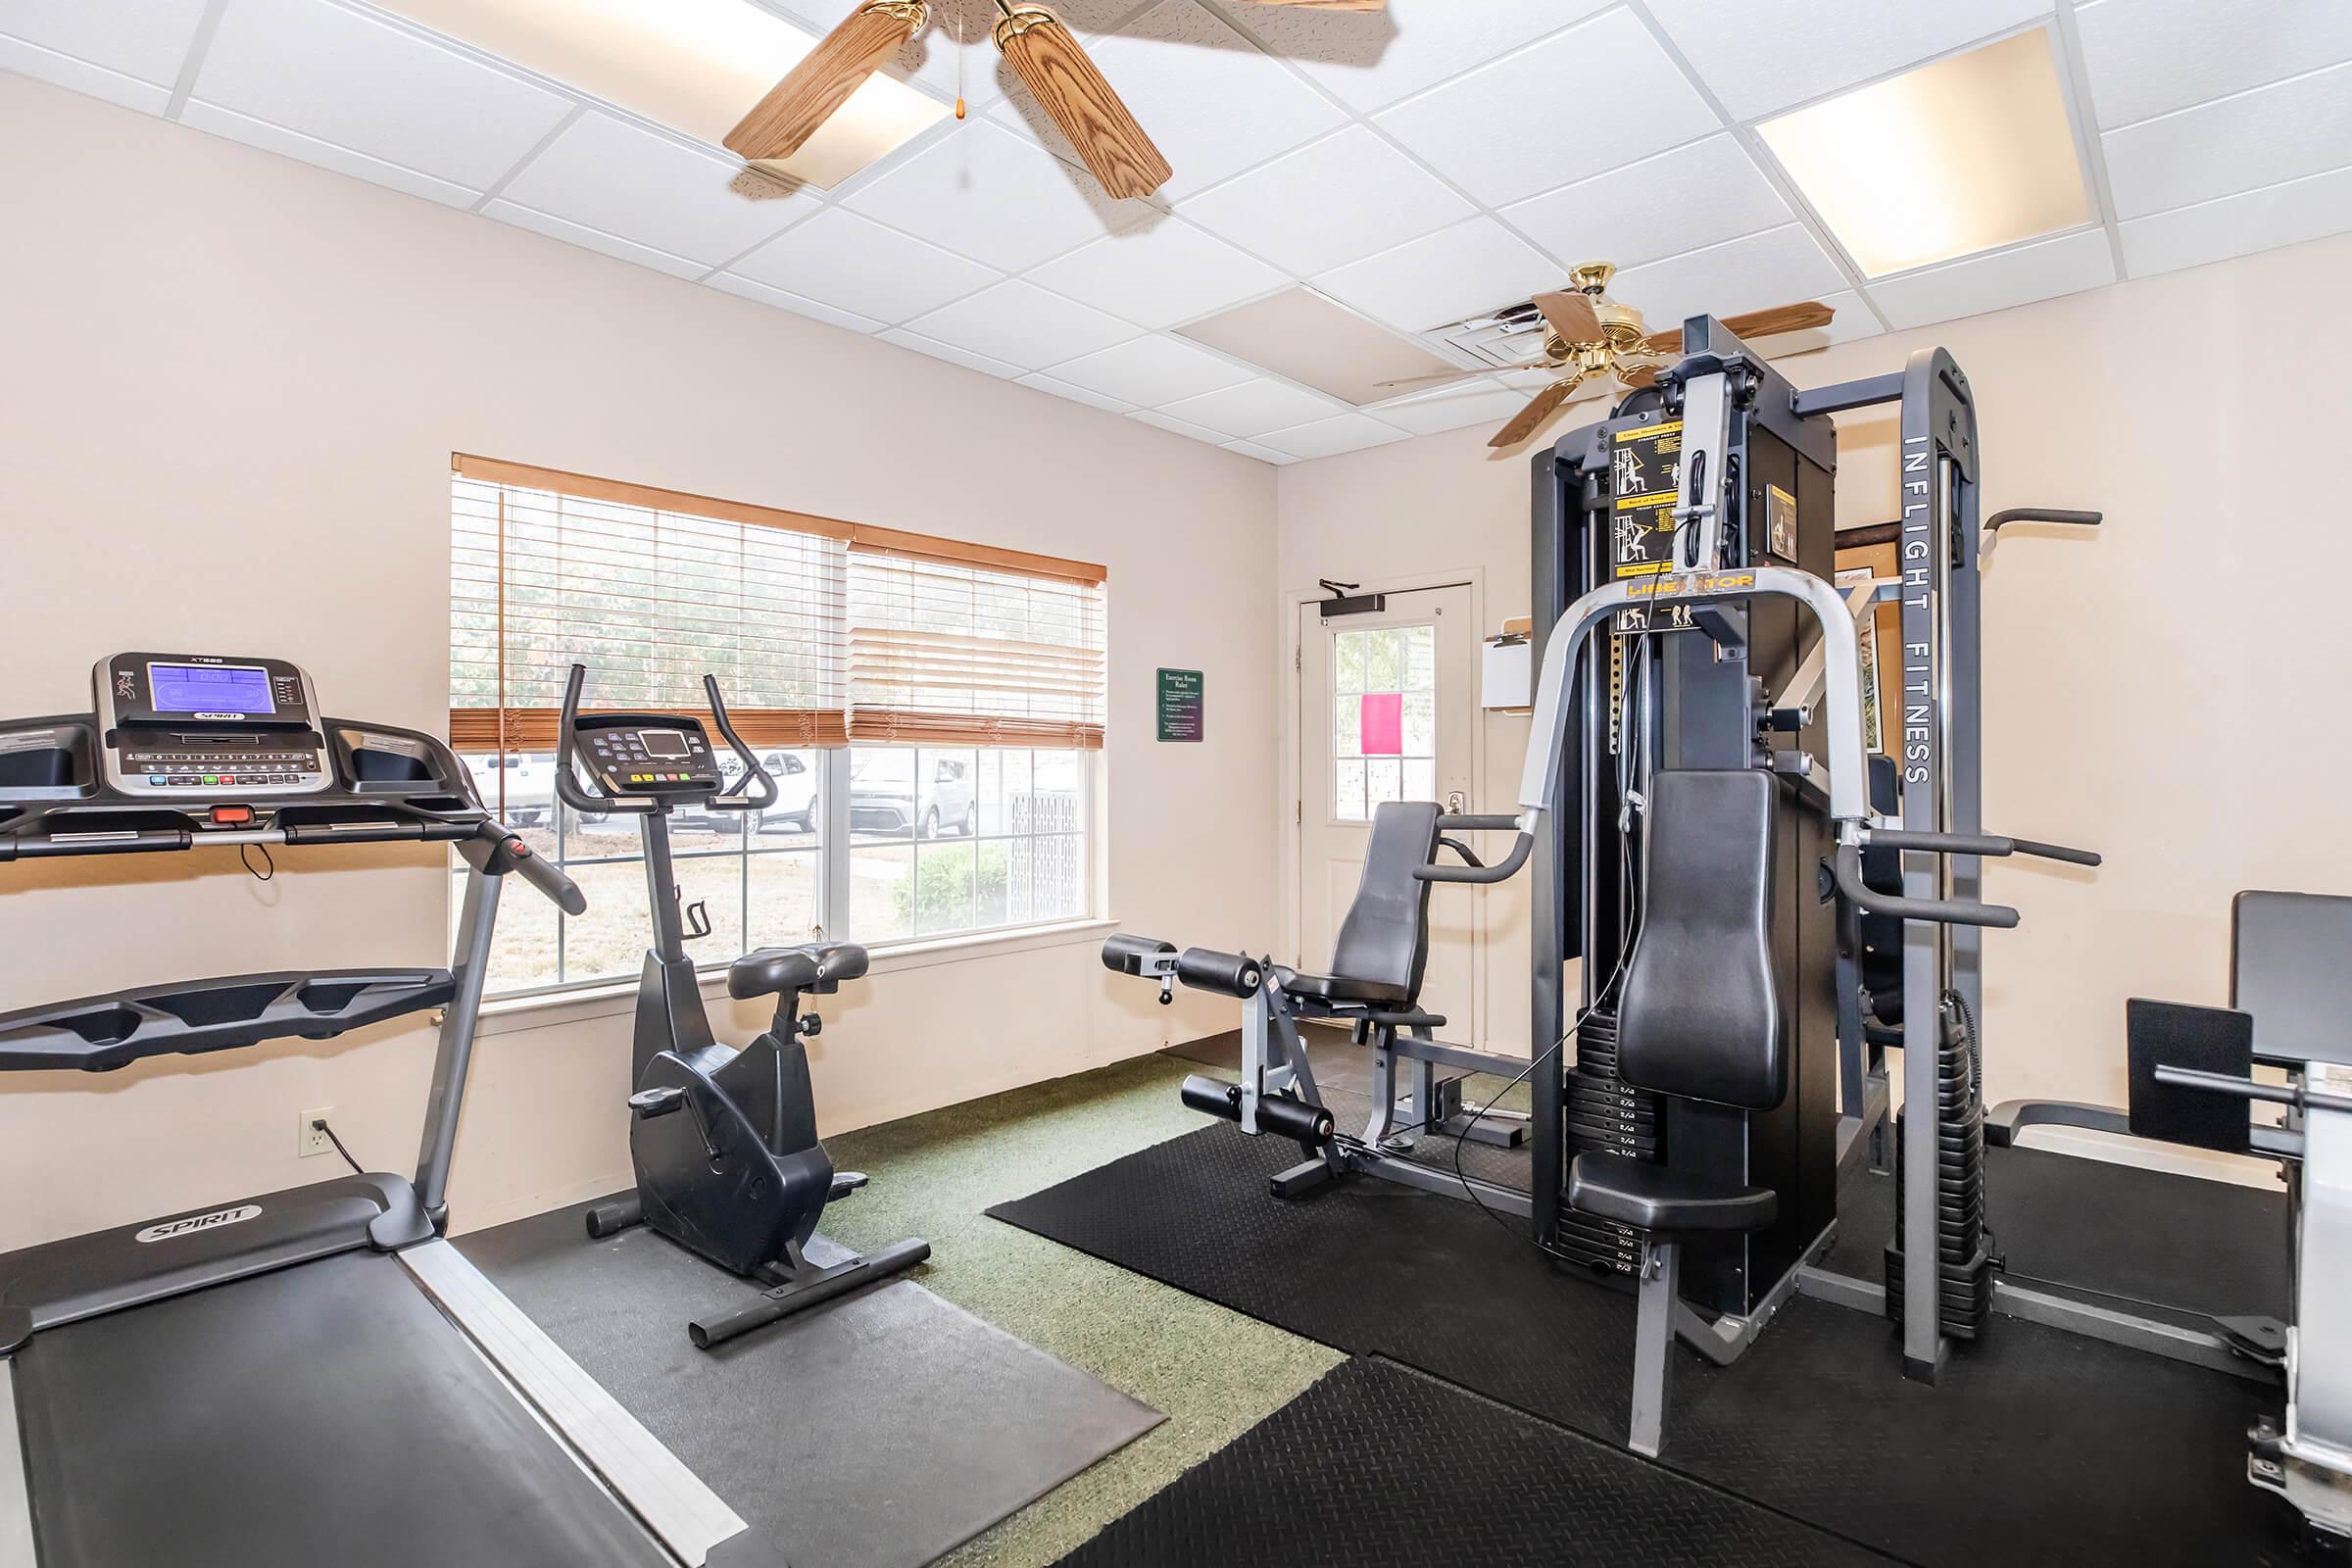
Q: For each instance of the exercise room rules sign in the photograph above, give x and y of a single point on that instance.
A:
(1180, 710)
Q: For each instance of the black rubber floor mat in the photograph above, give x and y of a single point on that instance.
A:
(2037, 1447)
(876, 1432)
(1378, 1465)
(2201, 1246)
(1365, 1266)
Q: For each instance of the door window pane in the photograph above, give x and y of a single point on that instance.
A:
(1383, 718)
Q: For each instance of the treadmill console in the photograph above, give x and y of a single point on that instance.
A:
(169, 723)
(638, 753)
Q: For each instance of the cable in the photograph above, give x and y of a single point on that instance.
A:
(268, 866)
(319, 1125)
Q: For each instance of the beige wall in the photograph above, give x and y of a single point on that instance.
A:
(2156, 691)
(230, 390)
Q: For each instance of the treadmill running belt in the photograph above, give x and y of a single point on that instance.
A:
(327, 1413)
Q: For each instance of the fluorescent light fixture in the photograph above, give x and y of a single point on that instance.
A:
(1965, 155)
(695, 66)
(1319, 343)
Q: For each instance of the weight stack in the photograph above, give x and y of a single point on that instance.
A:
(1605, 1117)
(1963, 1240)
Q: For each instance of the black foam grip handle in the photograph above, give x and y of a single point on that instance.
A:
(1935, 910)
(2056, 852)
(1212, 1097)
(1501, 870)
(2081, 519)
(1235, 974)
(1127, 955)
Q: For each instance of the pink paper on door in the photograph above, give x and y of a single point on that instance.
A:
(1383, 723)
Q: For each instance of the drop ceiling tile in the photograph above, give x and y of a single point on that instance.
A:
(1444, 276)
(1152, 371)
(145, 40)
(1450, 408)
(1212, 101)
(326, 155)
(80, 75)
(1331, 202)
(645, 187)
(1253, 407)
(854, 264)
(1702, 194)
(1076, 394)
(2280, 133)
(1250, 449)
(1023, 324)
(785, 300)
(2237, 225)
(2150, 57)
(1328, 438)
(2041, 270)
(1536, 119)
(1757, 59)
(998, 198)
(594, 240)
(1184, 428)
(1371, 58)
(950, 353)
(1779, 267)
(1158, 273)
(362, 84)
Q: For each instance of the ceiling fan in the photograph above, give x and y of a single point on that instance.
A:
(1043, 51)
(1587, 335)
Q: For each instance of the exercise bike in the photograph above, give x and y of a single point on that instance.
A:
(723, 1141)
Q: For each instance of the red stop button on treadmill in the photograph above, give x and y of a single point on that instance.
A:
(232, 816)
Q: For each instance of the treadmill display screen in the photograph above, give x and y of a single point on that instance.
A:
(209, 689)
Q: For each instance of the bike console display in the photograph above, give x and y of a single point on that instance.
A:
(640, 754)
(647, 763)
(176, 722)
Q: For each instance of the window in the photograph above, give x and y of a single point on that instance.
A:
(930, 712)
(1383, 707)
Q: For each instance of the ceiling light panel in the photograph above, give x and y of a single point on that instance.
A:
(695, 66)
(1968, 154)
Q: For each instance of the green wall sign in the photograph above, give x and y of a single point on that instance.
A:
(1180, 708)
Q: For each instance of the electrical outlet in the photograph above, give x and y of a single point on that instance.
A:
(309, 1140)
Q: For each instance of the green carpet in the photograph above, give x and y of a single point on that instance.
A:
(1215, 1373)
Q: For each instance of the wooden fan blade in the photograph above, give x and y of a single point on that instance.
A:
(1542, 406)
(1060, 76)
(1780, 318)
(1756, 323)
(1639, 376)
(781, 122)
(1330, 5)
(1571, 315)
(1463, 376)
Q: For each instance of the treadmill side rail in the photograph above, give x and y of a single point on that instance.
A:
(687, 1516)
(16, 1547)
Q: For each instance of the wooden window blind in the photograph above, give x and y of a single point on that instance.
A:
(951, 652)
(649, 588)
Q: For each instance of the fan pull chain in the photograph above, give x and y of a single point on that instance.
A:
(958, 62)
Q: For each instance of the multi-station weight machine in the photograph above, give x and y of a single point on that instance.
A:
(1694, 524)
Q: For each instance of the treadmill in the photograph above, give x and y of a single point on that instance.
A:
(314, 1375)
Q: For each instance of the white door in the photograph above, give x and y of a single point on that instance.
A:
(1387, 713)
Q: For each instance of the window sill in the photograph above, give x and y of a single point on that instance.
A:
(618, 998)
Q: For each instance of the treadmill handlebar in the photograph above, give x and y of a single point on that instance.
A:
(509, 853)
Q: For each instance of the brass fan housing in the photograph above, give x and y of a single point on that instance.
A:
(1018, 19)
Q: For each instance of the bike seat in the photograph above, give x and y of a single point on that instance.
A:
(819, 967)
